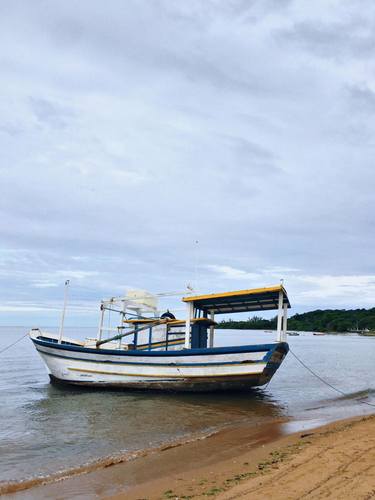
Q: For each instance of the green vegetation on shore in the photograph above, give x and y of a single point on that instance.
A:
(326, 320)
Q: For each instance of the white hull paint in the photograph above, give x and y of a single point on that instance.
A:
(213, 369)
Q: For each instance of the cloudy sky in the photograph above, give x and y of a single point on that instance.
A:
(130, 130)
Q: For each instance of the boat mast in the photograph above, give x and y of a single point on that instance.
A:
(64, 309)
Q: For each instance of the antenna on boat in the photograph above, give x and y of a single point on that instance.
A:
(64, 309)
(195, 277)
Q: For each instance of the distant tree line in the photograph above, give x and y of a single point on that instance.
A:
(321, 320)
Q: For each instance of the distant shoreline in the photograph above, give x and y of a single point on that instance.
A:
(360, 321)
(326, 332)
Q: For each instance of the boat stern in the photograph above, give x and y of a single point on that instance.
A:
(274, 359)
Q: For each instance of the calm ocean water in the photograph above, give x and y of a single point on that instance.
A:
(45, 429)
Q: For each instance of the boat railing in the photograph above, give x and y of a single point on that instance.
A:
(170, 333)
(134, 332)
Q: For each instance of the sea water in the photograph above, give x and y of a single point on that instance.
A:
(46, 429)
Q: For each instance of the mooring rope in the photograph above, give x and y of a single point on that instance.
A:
(327, 383)
(13, 343)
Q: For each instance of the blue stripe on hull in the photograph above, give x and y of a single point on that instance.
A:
(183, 352)
(139, 363)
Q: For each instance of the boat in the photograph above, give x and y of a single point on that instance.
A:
(157, 351)
(293, 334)
(367, 333)
(319, 334)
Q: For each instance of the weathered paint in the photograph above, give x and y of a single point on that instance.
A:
(193, 369)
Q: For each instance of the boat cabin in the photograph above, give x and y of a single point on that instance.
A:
(142, 327)
(252, 300)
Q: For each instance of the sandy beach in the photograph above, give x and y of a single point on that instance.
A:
(336, 462)
(333, 461)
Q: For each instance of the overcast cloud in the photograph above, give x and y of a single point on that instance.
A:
(130, 130)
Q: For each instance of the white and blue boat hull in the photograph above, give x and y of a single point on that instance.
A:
(217, 368)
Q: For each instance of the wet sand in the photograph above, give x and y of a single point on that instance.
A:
(165, 462)
(257, 462)
(334, 461)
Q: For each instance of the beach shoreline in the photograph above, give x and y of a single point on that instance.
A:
(113, 472)
(226, 464)
(324, 461)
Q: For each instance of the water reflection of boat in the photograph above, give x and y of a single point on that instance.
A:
(153, 351)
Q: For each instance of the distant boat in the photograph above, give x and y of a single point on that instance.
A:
(319, 333)
(157, 351)
(293, 334)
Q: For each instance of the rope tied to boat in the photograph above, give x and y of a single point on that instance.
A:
(13, 343)
(325, 382)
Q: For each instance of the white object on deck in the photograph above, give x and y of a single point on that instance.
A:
(143, 298)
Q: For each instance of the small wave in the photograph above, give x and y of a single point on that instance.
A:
(13, 486)
(363, 394)
(355, 397)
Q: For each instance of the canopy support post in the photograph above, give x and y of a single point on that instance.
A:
(189, 316)
(101, 320)
(280, 317)
(212, 330)
(122, 316)
(61, 332)
(285, 321)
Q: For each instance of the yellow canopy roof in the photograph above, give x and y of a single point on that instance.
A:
(255, 299)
